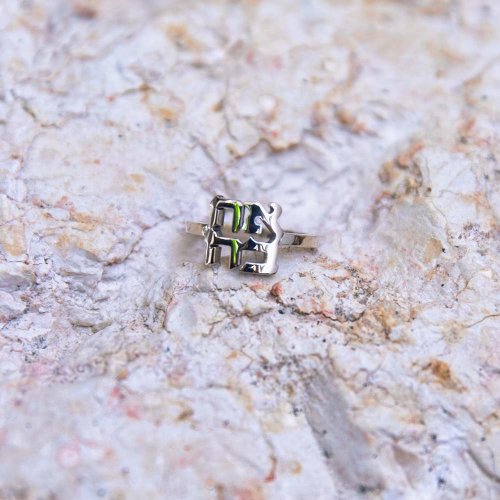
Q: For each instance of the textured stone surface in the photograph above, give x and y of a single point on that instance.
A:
(368, 368)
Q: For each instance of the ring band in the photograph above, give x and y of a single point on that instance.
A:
(249, 219)
(290, 239)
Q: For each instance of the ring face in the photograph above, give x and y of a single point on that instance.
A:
(253, 230)
(248, 218)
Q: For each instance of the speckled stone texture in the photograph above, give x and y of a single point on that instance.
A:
(367, 369)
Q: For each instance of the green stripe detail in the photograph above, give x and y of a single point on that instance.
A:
(234, 252)
(236, 218)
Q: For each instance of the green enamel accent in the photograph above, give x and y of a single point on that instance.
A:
(236, 218)
(234, 252)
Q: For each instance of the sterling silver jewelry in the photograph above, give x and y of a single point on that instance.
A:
(249, 218)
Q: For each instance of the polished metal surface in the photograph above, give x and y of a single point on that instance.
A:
(252, 229)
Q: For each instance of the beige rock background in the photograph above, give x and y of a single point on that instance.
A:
(369, 369)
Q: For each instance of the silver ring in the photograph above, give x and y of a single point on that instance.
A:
(249, 218)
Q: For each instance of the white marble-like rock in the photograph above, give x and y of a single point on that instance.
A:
(366, 369)
(10, 307)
